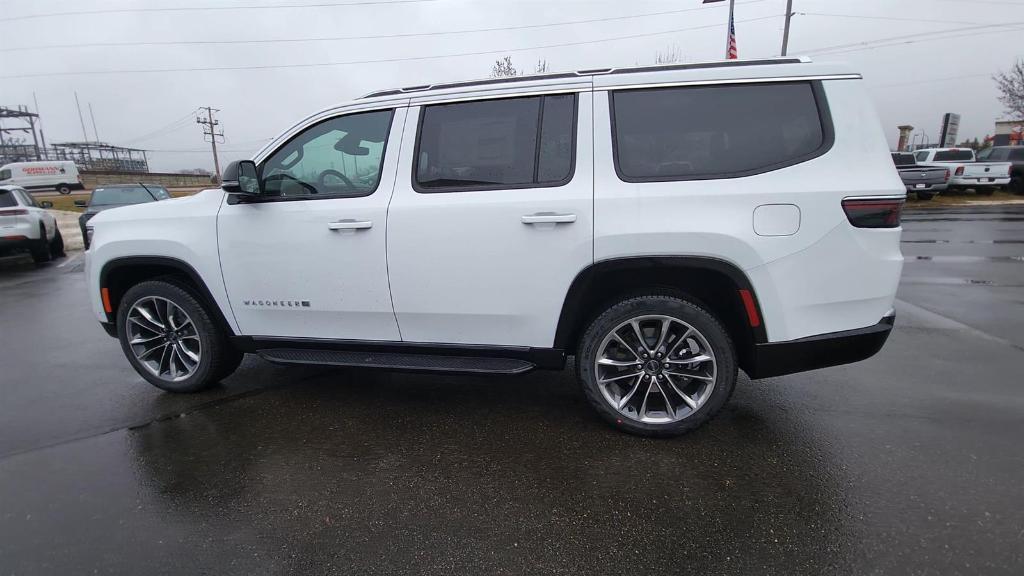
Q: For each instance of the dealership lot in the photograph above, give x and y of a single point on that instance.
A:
(910, 462)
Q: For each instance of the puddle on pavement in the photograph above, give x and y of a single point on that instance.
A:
(962, 241)
(967, 258)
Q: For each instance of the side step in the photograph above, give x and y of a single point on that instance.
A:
(398, 361)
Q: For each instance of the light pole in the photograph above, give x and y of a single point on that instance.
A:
(785, 31)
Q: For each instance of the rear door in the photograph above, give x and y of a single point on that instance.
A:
(491, 218)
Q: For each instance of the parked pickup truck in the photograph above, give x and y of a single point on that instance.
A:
(925, 181)
(967, 172)
(1012, 154)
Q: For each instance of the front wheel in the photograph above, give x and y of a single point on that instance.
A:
(656, 365)
(169, 338)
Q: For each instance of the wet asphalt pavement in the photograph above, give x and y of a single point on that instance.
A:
(909, 463)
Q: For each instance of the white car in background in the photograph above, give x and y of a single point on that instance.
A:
(26, 225)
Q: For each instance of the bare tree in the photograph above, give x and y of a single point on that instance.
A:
(541, 67)
(503, 67)
(1011, 90)
(670, 55)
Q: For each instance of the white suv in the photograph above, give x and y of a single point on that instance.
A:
(666, 226)
(26, 225)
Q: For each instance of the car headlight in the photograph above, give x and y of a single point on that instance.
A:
(88, 235)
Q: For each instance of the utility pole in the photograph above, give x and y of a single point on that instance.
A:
(785, 31)
(210, 129)
(85, 136)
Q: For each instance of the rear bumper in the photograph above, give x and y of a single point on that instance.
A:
(821, 351)
(971, 182)
(926, 188)
(15, 242)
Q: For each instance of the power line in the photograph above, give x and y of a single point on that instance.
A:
(930, 80)
(865, 17)
(208, 8)
(171, 127)
(890, 42)
(904, 38)
(380, 60)
(368, 37)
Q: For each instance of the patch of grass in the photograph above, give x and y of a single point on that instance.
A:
(67, 203)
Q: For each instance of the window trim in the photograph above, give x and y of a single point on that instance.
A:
(261, 199)
(824, 119)
(490, 187)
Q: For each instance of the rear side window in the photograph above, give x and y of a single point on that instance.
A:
(1017, 154)
(703, 132)
(496, 144)
(7, 199)
(954, 156)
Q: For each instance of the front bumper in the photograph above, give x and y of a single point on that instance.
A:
(821, 351)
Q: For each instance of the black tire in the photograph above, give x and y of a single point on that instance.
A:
(57, 245)
(1016, 185)
(64, 189)
(925, 195)
(217, 357)
(40, 249)
(676, 308)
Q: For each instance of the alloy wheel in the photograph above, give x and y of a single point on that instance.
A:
(163, 338)
(655, 369)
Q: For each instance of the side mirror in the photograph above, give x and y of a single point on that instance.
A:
(240, 177)
(79, 204)
(46, 204)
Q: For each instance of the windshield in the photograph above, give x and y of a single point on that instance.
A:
(903, 159)
(127, 195)
(954, 155)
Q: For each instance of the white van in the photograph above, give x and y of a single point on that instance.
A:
(59, 175)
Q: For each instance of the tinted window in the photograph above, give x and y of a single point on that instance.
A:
(954, 156)
(903, 159)
(27, 198)
(713, 131)
(7, 199)
(921, 156)
(338, 157)
(121, 196)
(5, 174)
(495, 144)
(1017, 154)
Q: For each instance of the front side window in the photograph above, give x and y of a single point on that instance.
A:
(703, 132)
(340, 157)
(496, 144)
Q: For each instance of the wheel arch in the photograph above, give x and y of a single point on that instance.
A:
(120, 274)
(714, 283)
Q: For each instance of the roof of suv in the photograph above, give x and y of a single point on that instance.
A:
(578, 73)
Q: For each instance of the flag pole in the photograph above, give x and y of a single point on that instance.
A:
(785, 33)
(728, 28)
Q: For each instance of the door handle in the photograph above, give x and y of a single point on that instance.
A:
(549, 218)
(350, 225)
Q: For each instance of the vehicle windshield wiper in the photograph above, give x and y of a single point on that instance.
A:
(155, 199)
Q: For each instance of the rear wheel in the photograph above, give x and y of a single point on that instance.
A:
(1016, 185)
(40, 249)
(925, 195)
(987, 191)
(57, 245)
(656, 365)
(170, 339)
(64, 189)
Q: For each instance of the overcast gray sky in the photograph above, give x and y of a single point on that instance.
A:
(920, 58)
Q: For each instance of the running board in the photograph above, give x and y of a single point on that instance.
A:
(397, 361)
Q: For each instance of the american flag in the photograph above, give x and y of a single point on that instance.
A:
(732, 53)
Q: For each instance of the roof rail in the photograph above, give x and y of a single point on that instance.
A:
(588, 72)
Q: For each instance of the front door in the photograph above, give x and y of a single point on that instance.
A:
(496, 220)
(307, 257)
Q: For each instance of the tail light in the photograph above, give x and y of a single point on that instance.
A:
(19, 212)
(959, 170)
(947, 174)
(874, 212)
(1009, 170)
